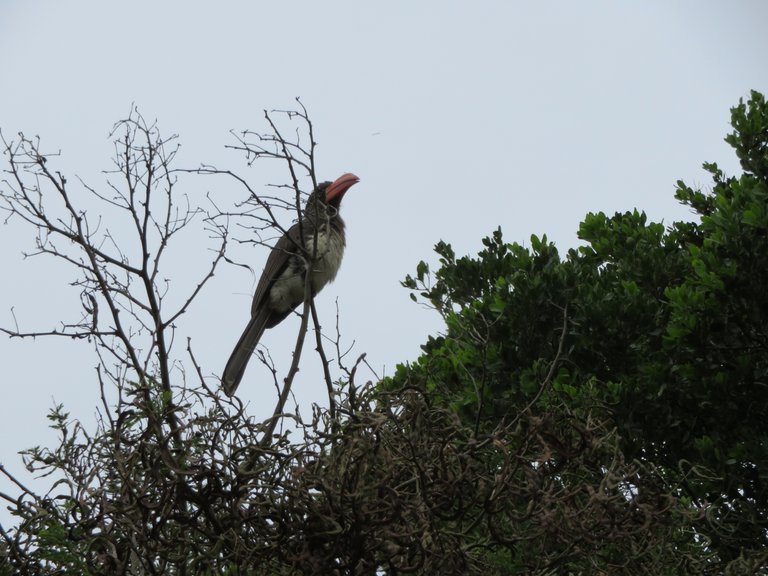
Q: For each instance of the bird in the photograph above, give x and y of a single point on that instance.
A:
(318, 238)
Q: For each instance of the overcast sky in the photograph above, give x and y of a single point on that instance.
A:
(459, 117)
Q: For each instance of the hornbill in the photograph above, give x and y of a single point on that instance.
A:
(316, 239)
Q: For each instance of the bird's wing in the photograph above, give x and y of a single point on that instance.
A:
(278, 258)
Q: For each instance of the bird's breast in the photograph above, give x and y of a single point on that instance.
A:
(287, 292)
(330, 251)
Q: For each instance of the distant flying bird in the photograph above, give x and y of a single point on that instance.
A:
(281, 286)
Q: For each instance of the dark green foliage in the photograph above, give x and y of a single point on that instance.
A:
(664, 328)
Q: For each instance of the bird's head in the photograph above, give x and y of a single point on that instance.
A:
(326, 198)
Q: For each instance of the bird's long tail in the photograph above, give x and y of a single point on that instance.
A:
(240, 356)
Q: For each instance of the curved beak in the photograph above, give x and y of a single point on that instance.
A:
(340, 186)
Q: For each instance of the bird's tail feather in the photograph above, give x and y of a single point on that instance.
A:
(240, 356)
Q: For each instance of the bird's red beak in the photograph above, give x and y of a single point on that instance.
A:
(339, 187)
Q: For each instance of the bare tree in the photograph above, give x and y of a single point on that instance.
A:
(168, 452)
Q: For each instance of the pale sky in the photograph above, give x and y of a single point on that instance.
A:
(459, 117)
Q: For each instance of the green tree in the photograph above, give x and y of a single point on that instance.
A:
(664, 329)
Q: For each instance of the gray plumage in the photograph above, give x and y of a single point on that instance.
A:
(281, 287)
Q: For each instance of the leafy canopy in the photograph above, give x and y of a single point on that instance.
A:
(664, 328)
